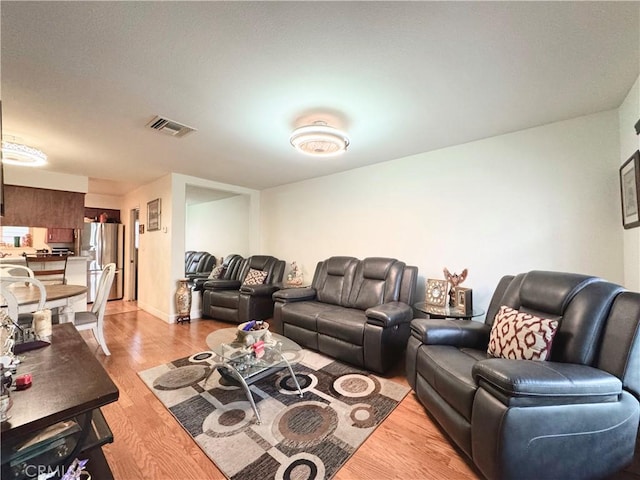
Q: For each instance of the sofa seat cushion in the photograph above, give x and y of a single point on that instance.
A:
(303, 314)
(449, 371)
(224, 298)
(346, 324)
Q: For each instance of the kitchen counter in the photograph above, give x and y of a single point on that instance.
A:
(20, 260)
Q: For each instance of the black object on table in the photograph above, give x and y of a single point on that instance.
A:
(446, 312)
(68, 384)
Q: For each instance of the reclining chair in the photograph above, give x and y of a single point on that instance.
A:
(574, 415)
(246, 293)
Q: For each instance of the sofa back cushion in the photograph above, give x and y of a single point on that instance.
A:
(231, 267)
(376, 281)
(498, 300)
(264, 263)
(620, 350)
(333, 280)
(192, 262)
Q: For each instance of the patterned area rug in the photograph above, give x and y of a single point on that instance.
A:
(299, 438)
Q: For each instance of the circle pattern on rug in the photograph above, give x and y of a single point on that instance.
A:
(201, 357)
(287, 386)
(180, 377)
(303, 466)
(228, 420)
(363, 415)
(305, 424)
(355, 385)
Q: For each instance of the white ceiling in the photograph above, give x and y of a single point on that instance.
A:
(80, 80)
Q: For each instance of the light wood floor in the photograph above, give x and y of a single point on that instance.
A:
(149, 444)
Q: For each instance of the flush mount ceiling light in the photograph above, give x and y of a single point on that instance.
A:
(319, 139)
(19, 154)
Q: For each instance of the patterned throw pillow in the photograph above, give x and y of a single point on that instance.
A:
(216, 272)
(519, 335)
(255, 277)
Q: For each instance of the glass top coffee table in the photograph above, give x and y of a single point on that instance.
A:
(238, 363)
(446, 311)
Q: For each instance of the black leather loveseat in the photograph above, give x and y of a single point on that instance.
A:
(574, 415)
(232, 299)
(357, 311)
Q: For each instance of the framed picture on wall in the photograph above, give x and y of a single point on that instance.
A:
(630, 191)
(153, 215)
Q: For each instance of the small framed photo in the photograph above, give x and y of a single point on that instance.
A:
(463, 299)
(153, 215)
(630, 191)
(436, 292)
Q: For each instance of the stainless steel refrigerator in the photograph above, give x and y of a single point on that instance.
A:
(103, 243)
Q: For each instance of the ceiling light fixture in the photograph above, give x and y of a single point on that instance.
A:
(23, 155)
(319, 139)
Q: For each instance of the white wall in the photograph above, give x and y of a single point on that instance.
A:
(155, 287)
(543, 198)
(629, 114)
(37, 178)
(112, 202)
(220, 227)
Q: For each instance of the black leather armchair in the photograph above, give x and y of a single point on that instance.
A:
(228, 299)
(573, 416)
(198, 265)
(357, 311)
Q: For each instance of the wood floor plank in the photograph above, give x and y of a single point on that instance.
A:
(150, 444)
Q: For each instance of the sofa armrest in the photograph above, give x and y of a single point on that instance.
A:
(198, 284)
(221, 284)
(389, 314)
(528, 382)
(196, 276)
(288, 295)
(455, 332)
(259, 290)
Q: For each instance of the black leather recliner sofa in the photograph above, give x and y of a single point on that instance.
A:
(572, 416)
(357, 311)
(229, 300)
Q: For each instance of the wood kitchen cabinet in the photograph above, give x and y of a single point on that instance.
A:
(60, 235)
(40, 207)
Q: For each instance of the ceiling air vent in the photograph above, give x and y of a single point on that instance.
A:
(169, 127)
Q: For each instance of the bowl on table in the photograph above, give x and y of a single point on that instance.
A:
(257, 333)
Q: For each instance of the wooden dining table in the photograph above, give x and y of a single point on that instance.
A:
(56, 296)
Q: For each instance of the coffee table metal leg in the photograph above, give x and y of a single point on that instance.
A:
(293, 375)
(244, 385)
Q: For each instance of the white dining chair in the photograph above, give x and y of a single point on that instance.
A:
(15, 270)
(10, 300)
(94, 319)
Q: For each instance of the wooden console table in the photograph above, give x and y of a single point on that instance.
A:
(68, 383)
